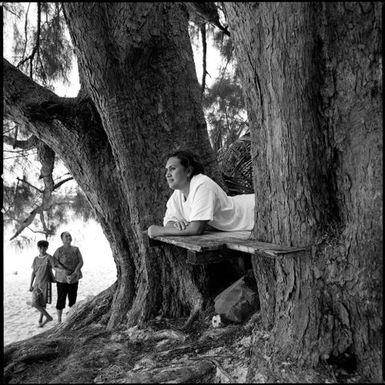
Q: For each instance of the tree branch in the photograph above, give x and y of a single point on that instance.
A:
(26, 30)
(208, 12)
(26, 222)
(49, 117)
(40, 209)
(47, 159)
(20, 93)
(45, 228)
(41, 232)
(27, 144)
(15, 138)
(21, 155)
(223, 73)
(204, 54)
(29, 184)
(10, 10)
(37, 45)
(62, 182)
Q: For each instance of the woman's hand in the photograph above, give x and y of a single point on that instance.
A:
(181, 225)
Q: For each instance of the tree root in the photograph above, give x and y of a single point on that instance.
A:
(189, 372)
(219, 366)
(90, 312)
(194, 315)
(29, 355)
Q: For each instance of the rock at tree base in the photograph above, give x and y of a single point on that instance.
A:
(238, 301)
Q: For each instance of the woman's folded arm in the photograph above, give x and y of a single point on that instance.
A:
(192, 228)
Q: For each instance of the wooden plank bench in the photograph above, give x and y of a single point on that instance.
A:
(280, 271)
(214, 246)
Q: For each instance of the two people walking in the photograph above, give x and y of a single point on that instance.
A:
(67, 262)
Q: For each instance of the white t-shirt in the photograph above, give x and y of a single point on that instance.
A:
(208, 201)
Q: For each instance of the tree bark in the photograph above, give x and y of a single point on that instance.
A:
(311, 76)
(140, 100)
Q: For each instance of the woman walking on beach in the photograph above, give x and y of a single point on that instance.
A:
(67, 262)
(41, 282)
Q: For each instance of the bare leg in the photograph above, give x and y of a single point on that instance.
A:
(59, 313)
(45, 313)
(47, 320)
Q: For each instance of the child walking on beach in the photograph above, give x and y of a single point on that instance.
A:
(43, 276)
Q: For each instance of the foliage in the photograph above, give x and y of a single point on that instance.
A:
(23, 190)
(223, 102)
(19, 169)
(81, 206)
(236, 166)
(224, 44)
(20, 198)
(194, 33)
(13, 8)
(15, 198)
(43, 51)
(225, 112)
(56, 50)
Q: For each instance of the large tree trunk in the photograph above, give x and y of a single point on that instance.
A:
(311, 74)
(140, 100)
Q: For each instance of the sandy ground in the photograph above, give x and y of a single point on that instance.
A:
(99, 272)
(21, 320)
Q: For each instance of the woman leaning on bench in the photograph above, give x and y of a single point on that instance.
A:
(198, 201)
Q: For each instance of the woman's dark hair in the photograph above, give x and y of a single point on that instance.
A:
(61, 235)
(188, 159)
(42, 244)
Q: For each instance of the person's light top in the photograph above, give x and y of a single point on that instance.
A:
(208, 201)
(66, 258)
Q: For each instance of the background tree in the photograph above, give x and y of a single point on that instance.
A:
(311, 74)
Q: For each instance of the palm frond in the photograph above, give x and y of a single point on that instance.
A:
(236, 166)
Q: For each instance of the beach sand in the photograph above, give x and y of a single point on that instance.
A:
(21, 320)
(99, 272)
